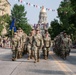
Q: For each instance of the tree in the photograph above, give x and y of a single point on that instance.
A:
(67, 19)
(55, 28)
(18, 12)
(73, 17)
(65, 11)
(3, 18)
(1, 27)
(73, 3)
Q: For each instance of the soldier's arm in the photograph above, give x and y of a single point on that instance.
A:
(50, 43)
(33, 41)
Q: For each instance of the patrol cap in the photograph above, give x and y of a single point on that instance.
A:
(46, 29)
(37, 29)
(15, 33)
(64, 33)
(19, 28)
(61, 32)
(33, 28)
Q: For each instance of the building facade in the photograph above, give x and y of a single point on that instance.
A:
(5, 7)
(42, 16)
(42, 23)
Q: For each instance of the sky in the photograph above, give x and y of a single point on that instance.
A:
(33, 13)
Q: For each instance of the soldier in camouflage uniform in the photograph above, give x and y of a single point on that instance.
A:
(37, 44)
(0, 41)
(19, 45)
(33, 34)
(47, 44)
(70, 43)
(65, 45)
(14, 47)
(29, 45)
(23, 38)
(45, 31)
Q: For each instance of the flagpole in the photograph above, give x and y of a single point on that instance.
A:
(12, 31)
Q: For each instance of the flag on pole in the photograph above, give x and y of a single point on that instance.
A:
(12, 26)
(15, 29)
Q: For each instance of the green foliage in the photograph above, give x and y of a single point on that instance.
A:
(4, 20)
(1, 27)
(18, 12)
(73, 3)
(55, 28)
(73, 17)
(64, 12)
(67, 18)
(26, 28)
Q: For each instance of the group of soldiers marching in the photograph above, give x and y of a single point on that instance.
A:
(4, 42)
(62, 45)
(17, 43)
(33, 44)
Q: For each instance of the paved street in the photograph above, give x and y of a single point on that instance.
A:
(53, 66)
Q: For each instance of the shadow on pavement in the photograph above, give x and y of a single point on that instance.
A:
(71, 59)
(46, 72)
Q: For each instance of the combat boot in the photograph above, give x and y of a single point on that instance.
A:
(45, 57)
(20, 56)
(35, 61)
(29, 58)
(32, 58)
(13, 59)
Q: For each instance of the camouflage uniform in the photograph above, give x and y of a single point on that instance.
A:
(65, 46)
(33, 34)
(47, 44)
(70, 43)
(14, 47)
(0, 41)
(19, 48)
(29, 45)
(19, 37)
(24, 38)
(37, 43)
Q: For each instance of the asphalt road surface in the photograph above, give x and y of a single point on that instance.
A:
(53, 66)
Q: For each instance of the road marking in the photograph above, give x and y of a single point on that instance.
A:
(63, 67)
(15, 68)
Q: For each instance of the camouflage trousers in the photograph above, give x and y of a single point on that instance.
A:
(46, 51)
(14, 53)
(30, 51)
(19, 53)
(36, 53)
(23, 48)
